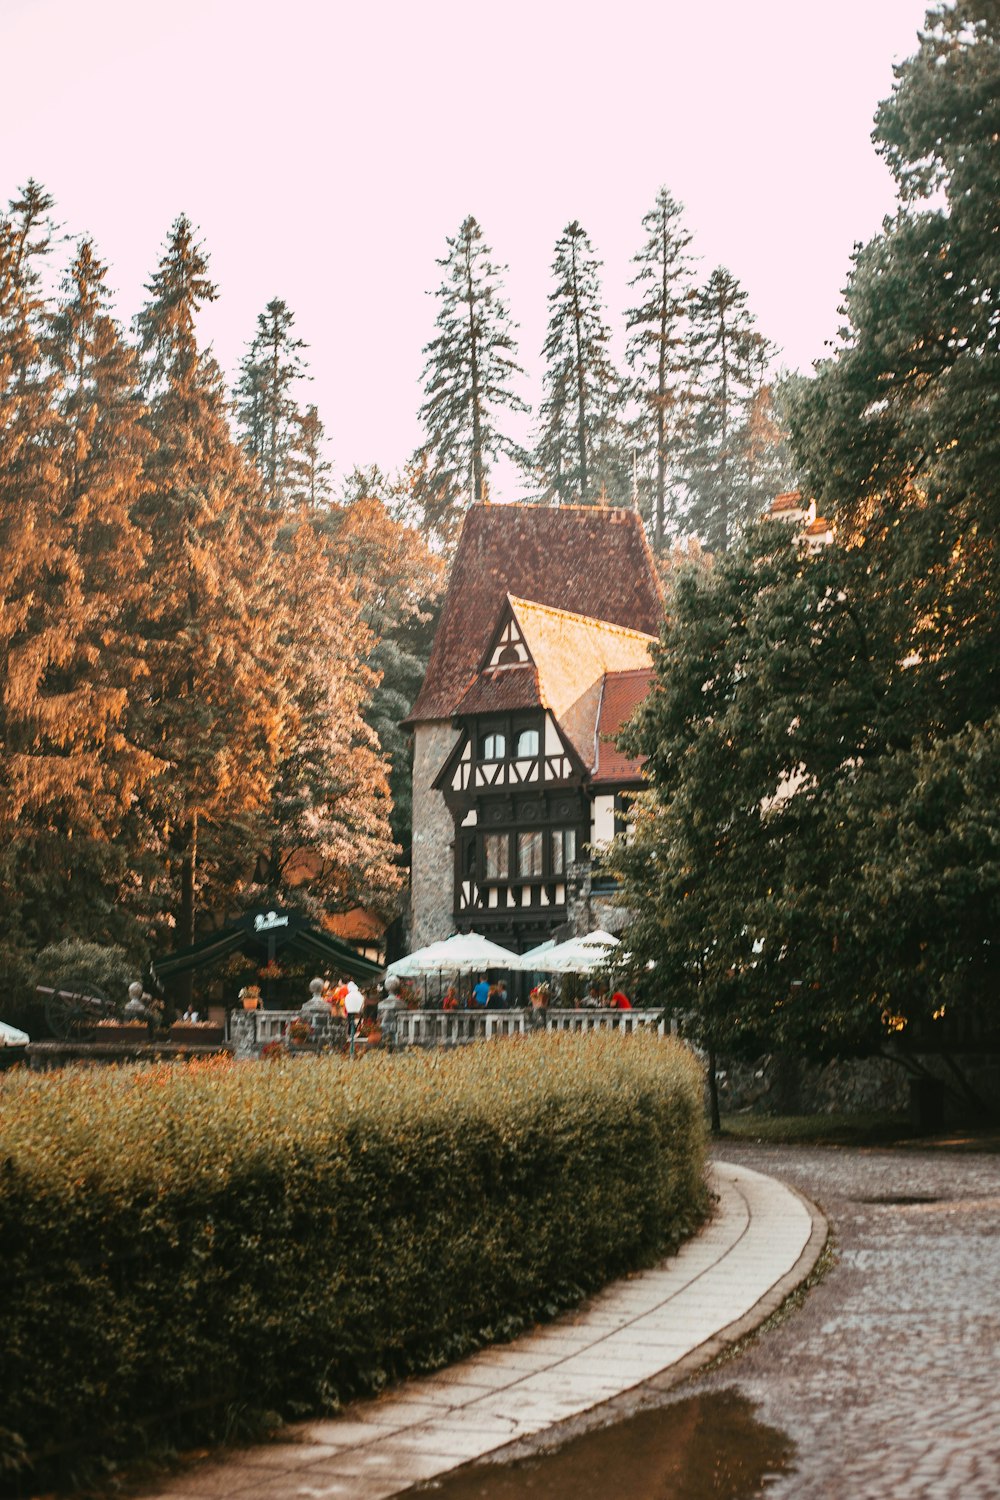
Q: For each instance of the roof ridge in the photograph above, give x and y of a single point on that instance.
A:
(572, 614)
(595, 510)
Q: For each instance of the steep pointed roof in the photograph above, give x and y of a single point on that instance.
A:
(572, 652)
(588, 673)
(587, 560)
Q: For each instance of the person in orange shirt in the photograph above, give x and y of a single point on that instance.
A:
(449, 1000)
(337, 997)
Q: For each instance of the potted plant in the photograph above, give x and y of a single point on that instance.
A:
(250, 997)
(196, 1033)
(118, 1030)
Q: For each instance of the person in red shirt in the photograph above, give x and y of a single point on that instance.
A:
(620, 1001)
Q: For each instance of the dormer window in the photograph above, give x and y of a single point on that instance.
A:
(527, 744)
(492, 745)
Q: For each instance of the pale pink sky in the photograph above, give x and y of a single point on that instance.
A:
(325, 150)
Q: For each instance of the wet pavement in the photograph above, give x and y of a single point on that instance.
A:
(887, 1378)
(881, 1383)
(705, 1447)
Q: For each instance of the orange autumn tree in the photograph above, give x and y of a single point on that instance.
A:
(330, 842)
(397, 581)
(215, 707)
(71, 463)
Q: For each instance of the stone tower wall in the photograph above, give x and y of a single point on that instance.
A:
(432, 872)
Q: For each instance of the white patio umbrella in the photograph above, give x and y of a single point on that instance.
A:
(412, 965)
(461, 953)
(577, 956)
(11, 1037)
(525, 962)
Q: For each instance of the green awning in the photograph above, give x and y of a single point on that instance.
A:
(255, 935)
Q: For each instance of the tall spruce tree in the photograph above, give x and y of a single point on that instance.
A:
(205, 601)
(308, 466)
(469, 381)
(267, 401)
(658, 356)
(98, 670)
(581, 453)
(726, 352)
(33, 541)
(330, 845)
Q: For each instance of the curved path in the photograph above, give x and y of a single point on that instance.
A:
(657, 1327)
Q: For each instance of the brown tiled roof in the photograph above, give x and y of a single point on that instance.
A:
(623, 692)
(819, 527)
(588, 559)
(499, 689)
(790, 500)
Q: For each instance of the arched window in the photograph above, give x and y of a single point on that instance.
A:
(527, 744)
(492, 745)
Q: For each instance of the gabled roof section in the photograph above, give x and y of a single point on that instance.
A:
(572, 652)
(623, 692)
(583, 559)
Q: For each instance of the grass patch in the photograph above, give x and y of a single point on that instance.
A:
(874, 1129)
(862, 1130)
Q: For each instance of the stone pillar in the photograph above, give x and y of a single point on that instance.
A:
(432, 871)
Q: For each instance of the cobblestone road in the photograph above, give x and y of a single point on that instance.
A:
(888, 1377)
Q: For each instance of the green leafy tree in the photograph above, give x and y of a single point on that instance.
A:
(470, 379)
(581, 454)
(658, 355)
(898, 433)
(765, 703)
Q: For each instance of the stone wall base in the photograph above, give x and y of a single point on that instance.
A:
(783, 1085)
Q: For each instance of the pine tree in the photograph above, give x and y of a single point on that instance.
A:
(99, 671)
(469, 380)
(267, 404)
(657, 352)
(727, 355)
(581, 453)
(330, 845)
(205, 607)
(308, 466)
(33, 544)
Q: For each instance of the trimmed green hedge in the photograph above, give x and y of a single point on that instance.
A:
(180, 1243)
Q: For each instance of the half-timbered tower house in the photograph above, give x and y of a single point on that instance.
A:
(541, 654)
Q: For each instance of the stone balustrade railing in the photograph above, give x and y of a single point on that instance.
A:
(250, 1030)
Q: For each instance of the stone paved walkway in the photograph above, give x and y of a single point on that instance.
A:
(762, 1241)
(888, 1377)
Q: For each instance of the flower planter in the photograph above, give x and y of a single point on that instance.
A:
(119, 1035)
(196, 1036)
